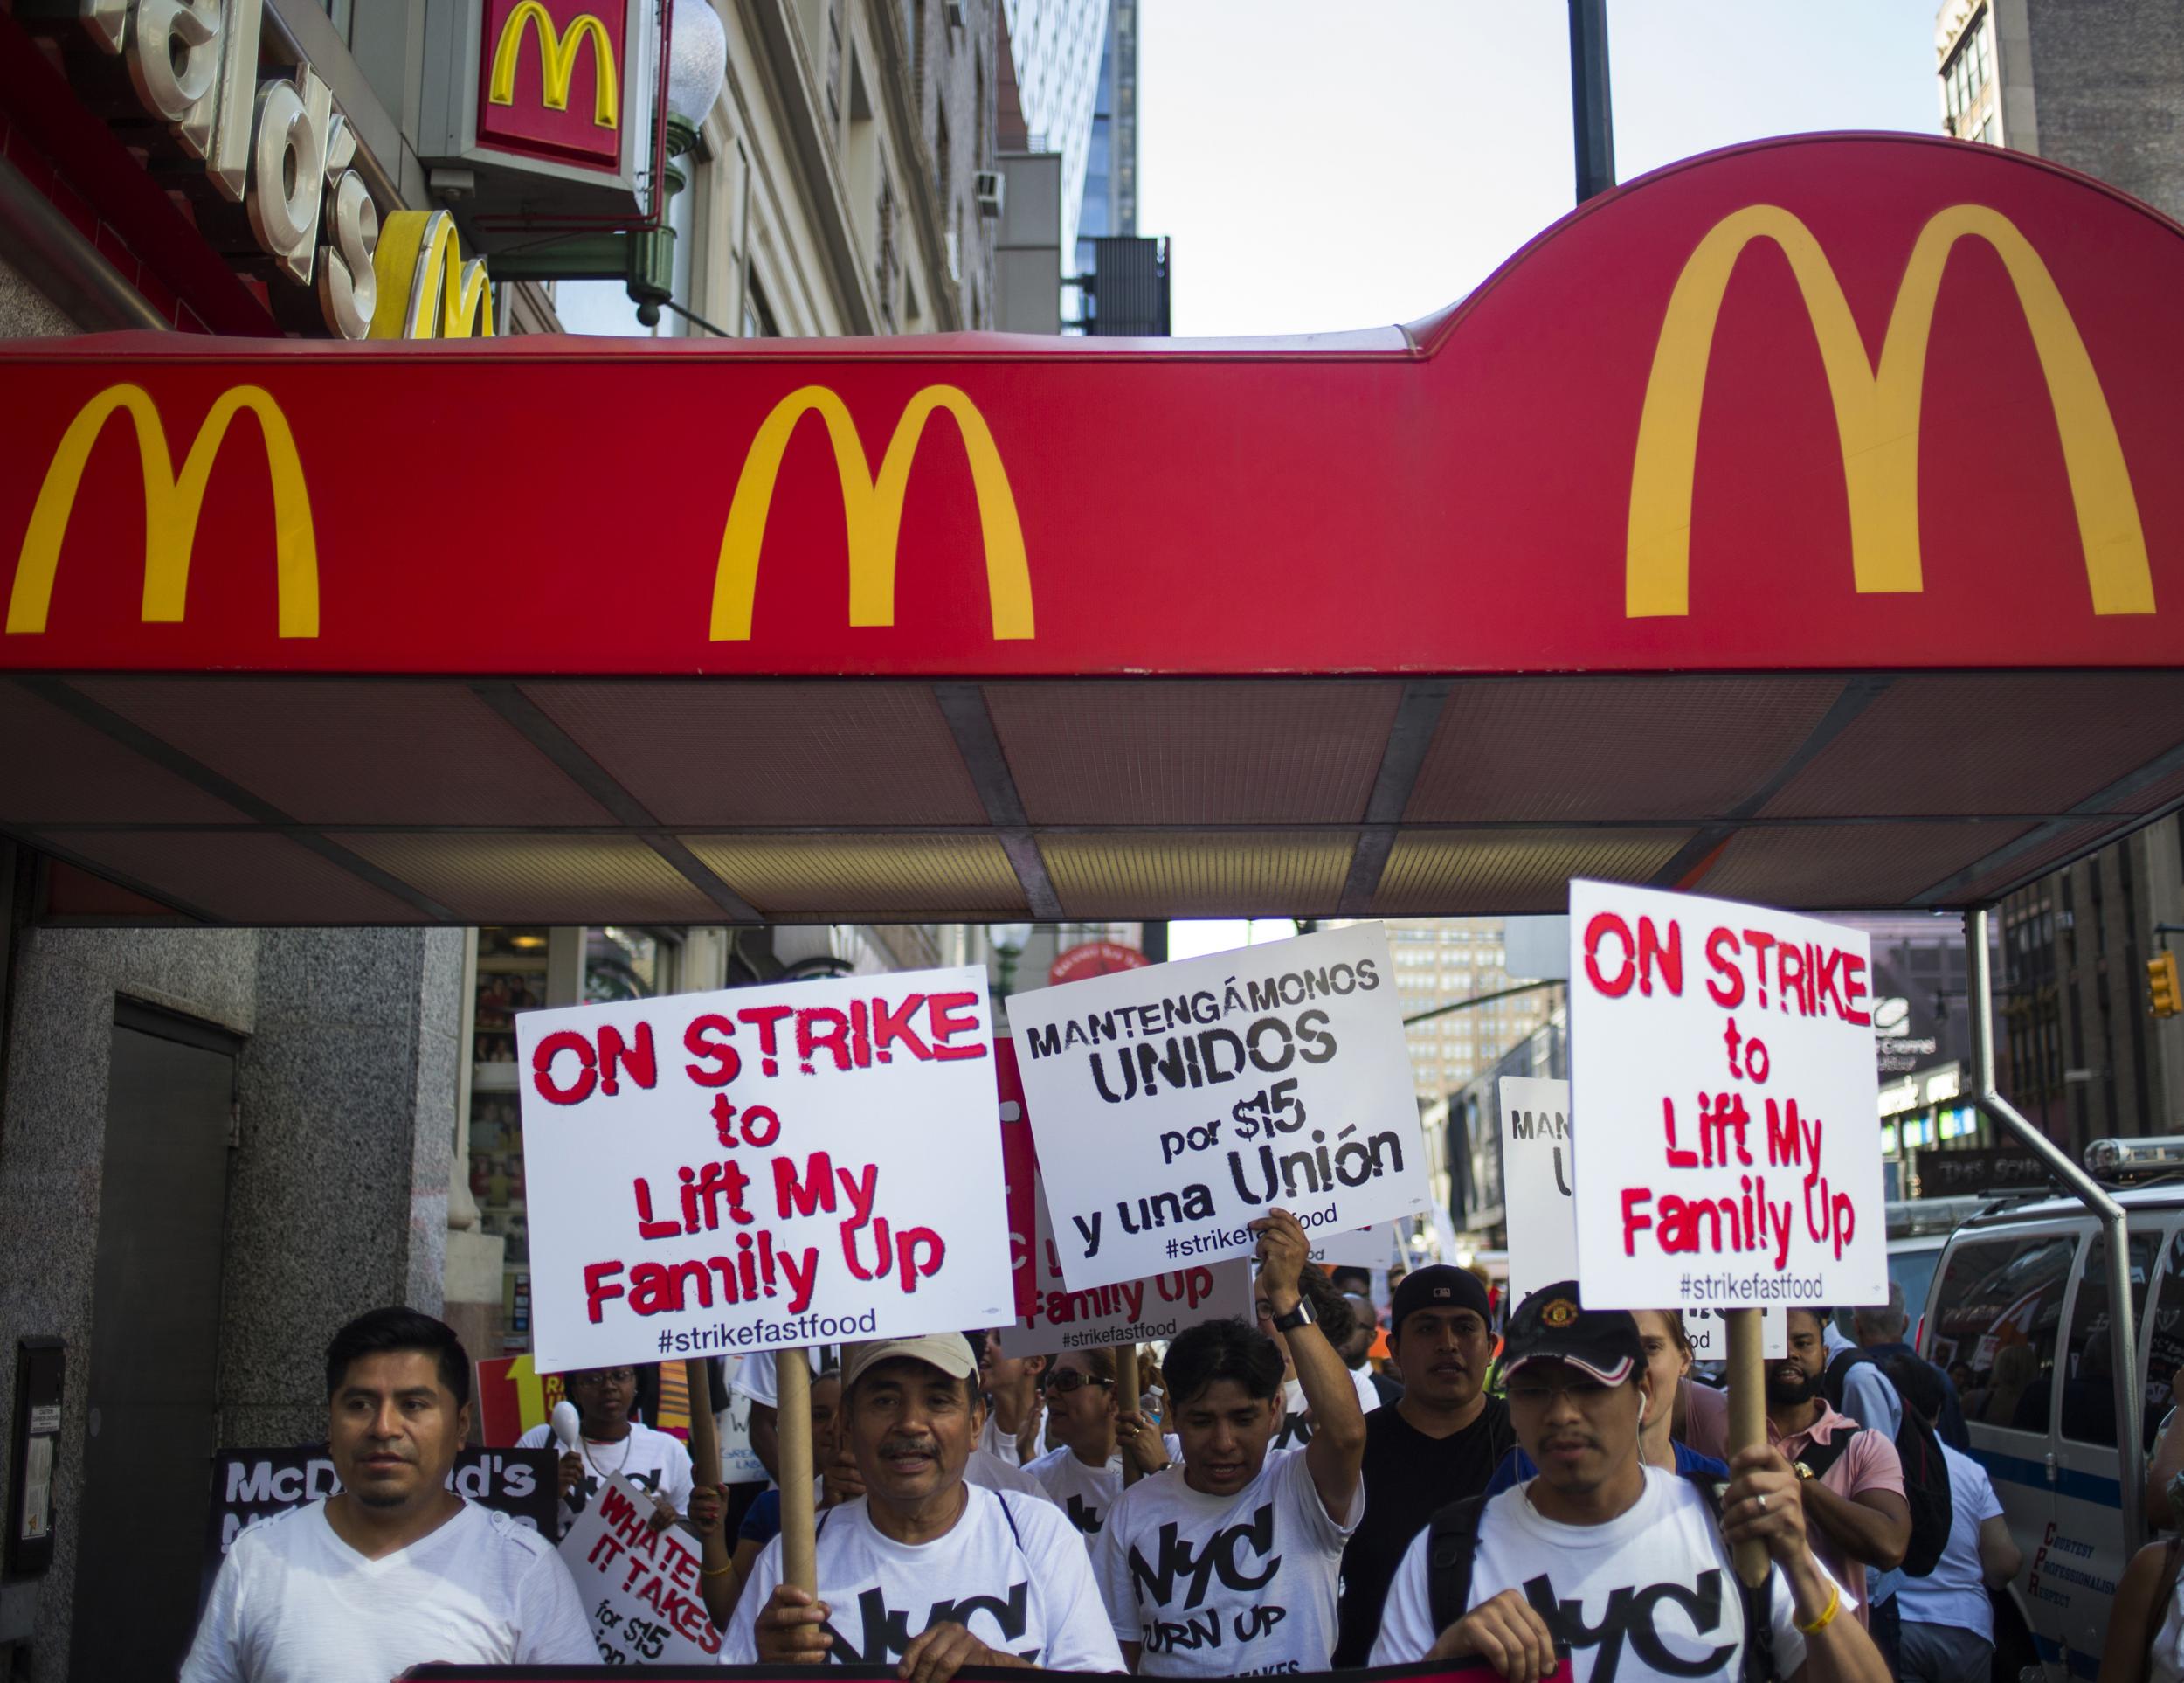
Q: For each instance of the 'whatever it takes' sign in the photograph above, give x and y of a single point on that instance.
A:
(764, 1167)
(1721, 1060)
(1175, 1105)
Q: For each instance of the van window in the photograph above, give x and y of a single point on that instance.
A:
(2165, 1339)
(1997, 1312)
(2089, 1369)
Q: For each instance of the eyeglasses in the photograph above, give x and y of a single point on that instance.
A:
(1583, 1392)
(604, 1377)
(1069, 1380)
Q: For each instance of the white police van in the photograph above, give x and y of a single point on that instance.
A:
(2018, 1314)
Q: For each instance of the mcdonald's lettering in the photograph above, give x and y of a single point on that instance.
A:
(425, 288)
(1877, 411)
(172, 503)
(558, 49)
(872, 507)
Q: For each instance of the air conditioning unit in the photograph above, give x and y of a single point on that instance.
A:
(987, 187)
(954, 14)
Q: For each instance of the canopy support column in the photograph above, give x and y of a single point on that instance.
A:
(2122, 1322)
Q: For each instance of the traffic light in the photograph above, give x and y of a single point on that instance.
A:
(2161, 985)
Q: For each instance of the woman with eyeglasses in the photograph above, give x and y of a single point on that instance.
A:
(609, 1442)
(1084, 1476)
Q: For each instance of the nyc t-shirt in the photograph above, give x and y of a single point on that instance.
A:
(1408, 1476)
(294, 1603)
(1012, 1572)
(1226, 1586)
(653, 1459)
(1083, 1491)
(1649, 1595)
(991, 1473)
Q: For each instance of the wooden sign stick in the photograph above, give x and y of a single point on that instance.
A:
(1126, 1399)
(1747, 1416)
(793, 1430)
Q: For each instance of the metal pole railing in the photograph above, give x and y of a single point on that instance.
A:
(2122, 1322)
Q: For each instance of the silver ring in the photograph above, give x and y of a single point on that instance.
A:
(1762, 1500)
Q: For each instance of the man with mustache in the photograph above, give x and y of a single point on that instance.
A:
(396, 1570)
(923, 1571)
(1853, 1480)
(1440, 1443)
(1626, 1566)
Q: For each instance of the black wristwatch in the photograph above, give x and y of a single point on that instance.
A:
(1300, 1316)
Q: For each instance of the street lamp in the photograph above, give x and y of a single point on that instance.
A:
(643, 259)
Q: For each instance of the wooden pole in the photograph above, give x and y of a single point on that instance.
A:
(705, 1430)
(1747, 1418)
(1126, 1399)
(792, 1428)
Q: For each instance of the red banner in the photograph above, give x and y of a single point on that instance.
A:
(1837, 403)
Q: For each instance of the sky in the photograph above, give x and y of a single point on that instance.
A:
(1325, 166)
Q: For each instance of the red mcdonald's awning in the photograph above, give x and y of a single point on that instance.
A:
(1801, 521)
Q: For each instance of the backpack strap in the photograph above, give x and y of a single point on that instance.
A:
(1452, 1541)
(1758, 1664)
(1836, 1379)
(1820, 1457)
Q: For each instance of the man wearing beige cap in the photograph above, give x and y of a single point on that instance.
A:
(924, 1571)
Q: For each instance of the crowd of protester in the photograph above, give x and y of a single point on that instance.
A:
(1311, 1493)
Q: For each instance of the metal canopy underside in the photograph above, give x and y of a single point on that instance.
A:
(296, 800)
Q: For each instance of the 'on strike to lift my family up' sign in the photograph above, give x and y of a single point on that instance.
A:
(764, 1167)
(1721, 1074)
(1174, 1106)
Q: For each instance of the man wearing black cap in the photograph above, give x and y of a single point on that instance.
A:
(1439, 1444)
(1625, 1566)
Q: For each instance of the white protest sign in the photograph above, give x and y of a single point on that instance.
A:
(1536, 1175)
(1130, 1312)
(1721, 1060)
(739, 1462)
(640, 1587)
(764, 1167)
(1709, 1334)
(1372, 1247)
(1174, 1105)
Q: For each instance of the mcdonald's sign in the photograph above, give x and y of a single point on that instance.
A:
(172, 504)
(425, 288)
(1876, 410)
(872, 508)
(551, 78)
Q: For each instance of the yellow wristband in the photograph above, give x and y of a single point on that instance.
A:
(1828, 1614)
(722, 1571)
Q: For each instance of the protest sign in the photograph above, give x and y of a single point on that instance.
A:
(1019, 1171)
(1371, 1247)
(1709, 1334)
(1175, 1105)
(513, 1397)
(762, 1168)
(1130, 1312)
(1537, 1176)
(1722, 1061)
(640, 1587)
(252, 1485)
(739, 1461)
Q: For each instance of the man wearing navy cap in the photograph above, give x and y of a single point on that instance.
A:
(1625, 1567)
(1440, 1443)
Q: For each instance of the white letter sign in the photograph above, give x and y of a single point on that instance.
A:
(1175, 1105)
(1537, 1176)
(764, 1167)
(1721, 1060)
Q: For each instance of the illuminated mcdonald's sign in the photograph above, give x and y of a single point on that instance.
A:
(1877, 411)
(557, 49)
(172, 503)
(426, 289)
(872, 507)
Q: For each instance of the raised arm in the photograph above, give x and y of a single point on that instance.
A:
(1336, 1453)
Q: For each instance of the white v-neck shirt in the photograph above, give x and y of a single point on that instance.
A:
(294, 1603)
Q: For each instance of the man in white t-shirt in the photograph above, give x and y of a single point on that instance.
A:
(925, 1571)
(1624, 1565)
(609, 1442)
(1231, 1568)
(1084, 1476)
(396, 1570)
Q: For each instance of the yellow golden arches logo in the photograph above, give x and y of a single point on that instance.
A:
(557, 60)
(873, 511)
(1877, 411)
(426, 290)
(171, 506)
